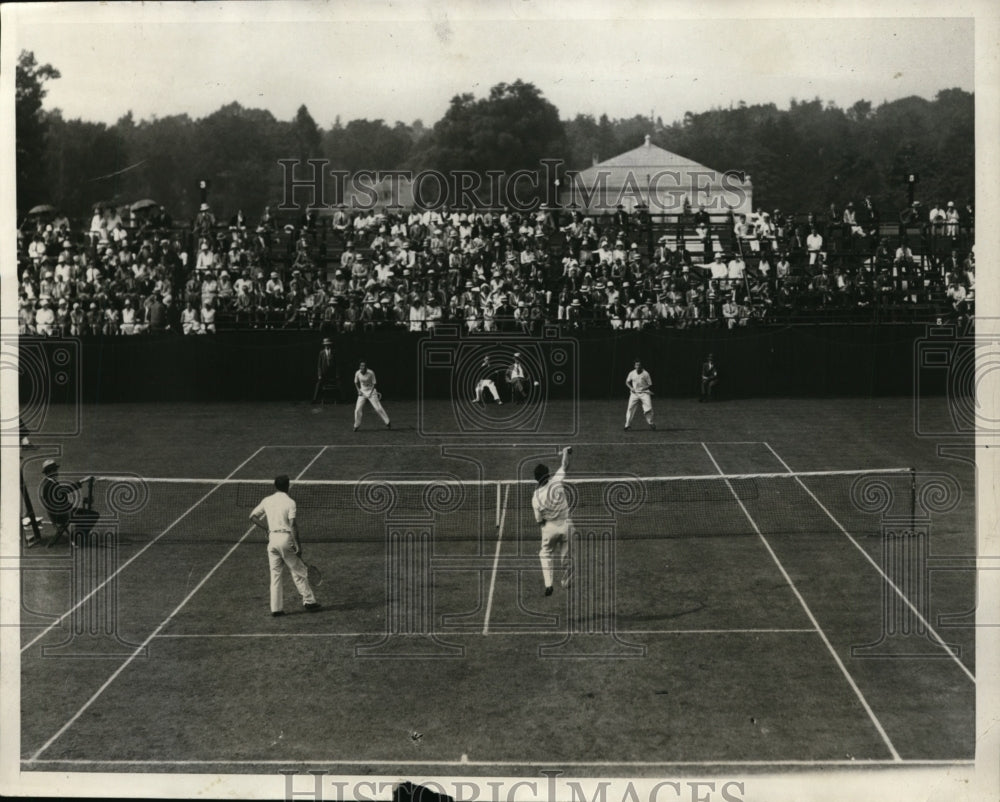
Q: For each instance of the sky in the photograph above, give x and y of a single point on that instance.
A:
(405, 62)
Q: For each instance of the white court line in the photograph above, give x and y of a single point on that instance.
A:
(495, 445)
(149, 638)
(139, 649)
(812, 618)
(577, 480)
(135, 556)
(496, 556)
(467, 633)
(527, 762)
(877, 567)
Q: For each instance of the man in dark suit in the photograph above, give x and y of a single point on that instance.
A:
(326, 372)
(709, 378)
(869, 218)
(503, 315)
(621, 219)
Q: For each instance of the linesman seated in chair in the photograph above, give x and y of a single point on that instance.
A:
(64, 505)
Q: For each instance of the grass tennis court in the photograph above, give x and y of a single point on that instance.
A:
(735, 605)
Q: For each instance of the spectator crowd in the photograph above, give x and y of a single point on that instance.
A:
(135, 272)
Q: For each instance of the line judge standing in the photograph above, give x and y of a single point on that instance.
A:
(709, 378)
(276, 514)
(326, 373)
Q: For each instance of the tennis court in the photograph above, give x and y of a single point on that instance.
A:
(756, 620)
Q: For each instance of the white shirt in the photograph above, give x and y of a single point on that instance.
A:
(280, 511)
(366, 381)
(205, 261)
(517, 370)
(549, 501)
(640, 382)
(417, 317)
(44, 319)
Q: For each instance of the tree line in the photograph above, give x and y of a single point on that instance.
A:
(800, 159)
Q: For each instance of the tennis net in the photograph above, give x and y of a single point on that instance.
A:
(710, 505)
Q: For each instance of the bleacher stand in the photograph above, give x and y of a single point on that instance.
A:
(491, 270)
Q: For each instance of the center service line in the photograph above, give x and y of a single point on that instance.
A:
(496, 557)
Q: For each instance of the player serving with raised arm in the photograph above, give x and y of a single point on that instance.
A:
(640, 388)
(551, 508)
(364, 383)
(276, 514)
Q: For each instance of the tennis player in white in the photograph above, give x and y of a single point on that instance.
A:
(640, 388)
(488, 371)
(551, 509)
(364, 383)
(276, 514)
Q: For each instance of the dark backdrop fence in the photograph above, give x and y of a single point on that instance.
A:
(821, 360)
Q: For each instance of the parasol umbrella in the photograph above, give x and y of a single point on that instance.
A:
(146, 203)
(43, 209)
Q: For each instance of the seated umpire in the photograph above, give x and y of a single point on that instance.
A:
(62, 501)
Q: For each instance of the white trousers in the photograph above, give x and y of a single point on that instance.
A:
(634, 400)
(376, 405)
(280, 554)
(555, 542)
(486, 384)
